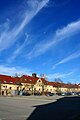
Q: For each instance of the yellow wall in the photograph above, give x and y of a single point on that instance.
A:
(39, 86)
(7, 86)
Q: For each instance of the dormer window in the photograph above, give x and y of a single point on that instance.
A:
(11, 82)
(4, 81)
(17, 83)
(25, 79)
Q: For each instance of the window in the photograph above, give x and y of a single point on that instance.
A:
(17, 83)
(25, 79)
(29, 89)
(4, 81)
(39, 81)
(10, 88)
(11, 82)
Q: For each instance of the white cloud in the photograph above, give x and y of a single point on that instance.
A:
(12, 70)
(40, 49)
(18, 50)
(60, 35)
(10, 35)
(59, 75)
(69, 30)
(68, 58)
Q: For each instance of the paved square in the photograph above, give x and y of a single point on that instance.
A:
(20, 108)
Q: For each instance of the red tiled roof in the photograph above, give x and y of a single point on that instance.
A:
(28, 79)
(32, 80)
(44, 81)
(58, 84)
(9, 80)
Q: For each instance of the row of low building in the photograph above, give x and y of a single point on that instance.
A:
(33, 84)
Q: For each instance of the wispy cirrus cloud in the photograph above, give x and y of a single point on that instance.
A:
(60, 75)
(9, 35)
(60, 34)
(68, 58)
(18, 50)
(7, 70)
(69, 30)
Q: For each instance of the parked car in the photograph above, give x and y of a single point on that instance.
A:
(78, 93)
(59, 93)
(63, 94)
(37, 93)
(25, 93)
(68, 93)
(74, 93)
(49, 94)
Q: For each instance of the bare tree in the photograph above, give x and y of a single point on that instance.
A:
(58, 80)
(58, 84)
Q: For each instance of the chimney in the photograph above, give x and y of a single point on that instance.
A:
(34, 75)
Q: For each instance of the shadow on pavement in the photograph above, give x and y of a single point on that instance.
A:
(67, 108)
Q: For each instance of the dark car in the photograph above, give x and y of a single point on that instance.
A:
(68, 93)
(25, 93)
(58, 93)
(74, 93)
(78, 93)
(37, 93)
(49, 94)
(64, 94)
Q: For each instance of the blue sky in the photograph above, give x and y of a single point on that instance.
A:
(41, 36)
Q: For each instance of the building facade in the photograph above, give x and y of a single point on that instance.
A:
(33, 84)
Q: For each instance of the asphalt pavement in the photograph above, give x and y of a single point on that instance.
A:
(20, 107)
(39, 108)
